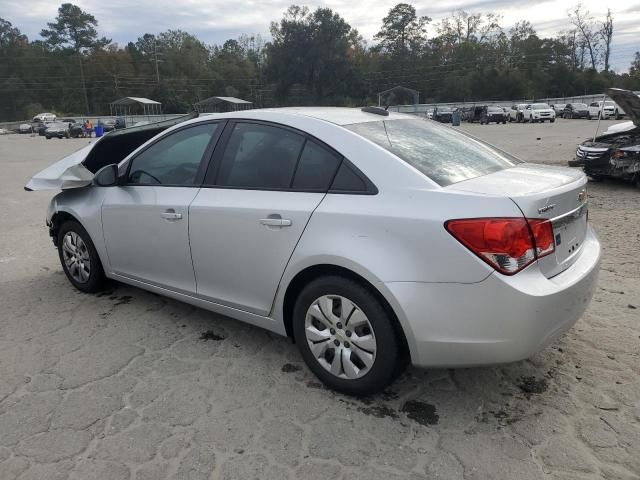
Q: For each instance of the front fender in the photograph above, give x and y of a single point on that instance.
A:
(84, 205)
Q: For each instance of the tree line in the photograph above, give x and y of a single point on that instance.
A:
(312, 58)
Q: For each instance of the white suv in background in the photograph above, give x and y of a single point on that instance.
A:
(517, 113)
(596, 109)
(539, 112)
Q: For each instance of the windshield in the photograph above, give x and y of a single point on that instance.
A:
(495, 109)
(444, 110)
(540, 106)
(57, 125)
(583, 106)
(440, 153)
(609, 104)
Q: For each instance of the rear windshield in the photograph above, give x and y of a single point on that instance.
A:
(439, 152)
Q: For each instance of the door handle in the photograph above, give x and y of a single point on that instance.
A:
(275, 221)
(170, 214)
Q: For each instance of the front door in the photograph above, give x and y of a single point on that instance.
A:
(146, 221)
(247, 219)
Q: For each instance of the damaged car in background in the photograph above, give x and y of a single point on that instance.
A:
(614, 154)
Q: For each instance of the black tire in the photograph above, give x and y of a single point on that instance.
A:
(96, 279)
(47, 137)
(552, 120)
(388, 356)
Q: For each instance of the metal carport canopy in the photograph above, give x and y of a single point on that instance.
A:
(149, 107)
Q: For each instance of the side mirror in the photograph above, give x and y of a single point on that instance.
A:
(107, 176)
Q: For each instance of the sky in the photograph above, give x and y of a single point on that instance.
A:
(215, 21)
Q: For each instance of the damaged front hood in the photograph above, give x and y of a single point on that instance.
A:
(78, 169)
(66, 173)
(629, 101)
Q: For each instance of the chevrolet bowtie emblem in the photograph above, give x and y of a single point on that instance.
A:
(582, 196)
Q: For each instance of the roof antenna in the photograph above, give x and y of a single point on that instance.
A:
(599, 117)
(386, 108)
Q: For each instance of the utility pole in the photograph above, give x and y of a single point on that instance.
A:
(155, 56)
(84, 85)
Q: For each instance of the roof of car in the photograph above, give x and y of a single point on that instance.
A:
(336, 115)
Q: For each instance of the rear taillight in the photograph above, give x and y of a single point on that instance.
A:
(507, 244)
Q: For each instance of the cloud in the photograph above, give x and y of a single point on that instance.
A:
(214, 21)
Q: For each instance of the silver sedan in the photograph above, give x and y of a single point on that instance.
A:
(371, 238)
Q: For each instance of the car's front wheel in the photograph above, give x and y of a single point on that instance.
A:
(346, 336)
(79, 258)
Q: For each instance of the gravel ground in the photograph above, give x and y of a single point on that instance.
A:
(124, 385)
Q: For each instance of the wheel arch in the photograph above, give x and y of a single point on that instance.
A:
(58, 219)
(312, 272)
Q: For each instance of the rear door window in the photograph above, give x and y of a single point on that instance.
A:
(439, 152)
(259, 156)
(316, 168)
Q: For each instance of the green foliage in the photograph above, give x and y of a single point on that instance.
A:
(73, 29)
(312, 58)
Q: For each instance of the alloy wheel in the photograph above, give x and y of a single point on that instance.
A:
(76, 257)
(340, 337)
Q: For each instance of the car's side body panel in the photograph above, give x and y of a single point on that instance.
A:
(238, 251)
(143, 245)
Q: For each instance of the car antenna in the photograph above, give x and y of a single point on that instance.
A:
(386, 108)
(599, 117)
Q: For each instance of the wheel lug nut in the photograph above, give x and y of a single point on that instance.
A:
(346, 344)
(336, 343)
(348, 333)
(333, 331)
(339, 325)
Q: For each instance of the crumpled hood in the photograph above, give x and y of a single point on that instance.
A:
(66, 173)
(628, 101)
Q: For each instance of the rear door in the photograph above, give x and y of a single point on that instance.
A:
(146, 221)
(265, 182)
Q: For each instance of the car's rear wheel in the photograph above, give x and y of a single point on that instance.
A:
(346, 336)
(79, 258)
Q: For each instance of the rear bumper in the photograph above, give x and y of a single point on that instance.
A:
(501, 319)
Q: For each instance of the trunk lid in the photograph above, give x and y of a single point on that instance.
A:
(77, 170)
(540, 191)
(628, 101)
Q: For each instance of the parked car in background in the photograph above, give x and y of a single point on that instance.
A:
(319, 205)
(42, 128)
(540, 112)
(558, 108)
(472, 114)
(443, 114)
(108, 125)
(120, 123)
(507, 113)
(44, 117)
(74, 126)
(575, 110)
(57, 130)
(491, 113)
(616, 153)
(604, 110)
(25, 128)
(518, 111)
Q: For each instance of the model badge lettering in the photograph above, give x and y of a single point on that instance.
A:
(546, 208)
